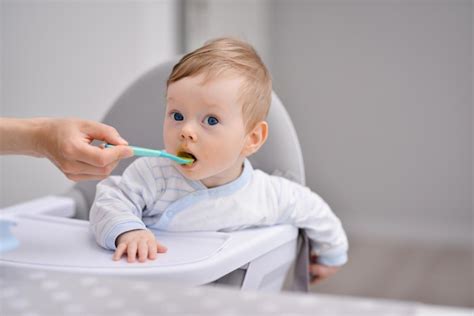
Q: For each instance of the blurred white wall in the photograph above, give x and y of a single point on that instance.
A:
(381, 96)
(248, 20)
(73, 58)
(381, 93)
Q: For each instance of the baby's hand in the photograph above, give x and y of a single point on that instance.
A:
(319, 272)
(139, 242)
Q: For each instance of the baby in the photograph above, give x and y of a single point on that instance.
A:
(218, 97)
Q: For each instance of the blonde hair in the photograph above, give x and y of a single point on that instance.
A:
(224, 55)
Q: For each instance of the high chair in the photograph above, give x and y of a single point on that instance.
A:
(256, 258)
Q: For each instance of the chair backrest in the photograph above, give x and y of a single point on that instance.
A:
(138, 115)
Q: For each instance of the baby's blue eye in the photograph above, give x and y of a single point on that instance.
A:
(211, 120)
(177, 116)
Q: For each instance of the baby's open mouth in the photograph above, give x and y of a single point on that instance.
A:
(184, 154)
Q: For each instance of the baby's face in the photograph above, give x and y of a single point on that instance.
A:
(205, 120)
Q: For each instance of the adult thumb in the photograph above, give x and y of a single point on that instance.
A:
(104, 132)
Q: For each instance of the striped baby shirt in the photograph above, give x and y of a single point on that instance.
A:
(152, 193)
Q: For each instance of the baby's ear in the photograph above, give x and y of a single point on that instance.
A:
(255, 138)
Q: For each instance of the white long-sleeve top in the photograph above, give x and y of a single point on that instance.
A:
(153, 193)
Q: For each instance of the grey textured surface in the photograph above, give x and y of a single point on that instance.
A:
(30, 292)
(427, 273)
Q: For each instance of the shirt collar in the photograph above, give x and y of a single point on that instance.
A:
(230, 187)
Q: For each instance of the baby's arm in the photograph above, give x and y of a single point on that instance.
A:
(307, 210)
(120, 201)
(141, 243)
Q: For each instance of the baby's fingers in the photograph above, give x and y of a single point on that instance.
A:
(320, 272)
(317, 270)
(132, 252)
(151, 250)
(119, 252)
(160, 248)
(142, 251)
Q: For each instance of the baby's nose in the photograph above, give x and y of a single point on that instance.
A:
(188, 134)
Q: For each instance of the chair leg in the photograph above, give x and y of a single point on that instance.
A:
(268, 272)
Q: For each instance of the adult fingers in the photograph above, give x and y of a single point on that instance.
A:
(82, 169)
(83, 177)
(101, 157)
(103, 132)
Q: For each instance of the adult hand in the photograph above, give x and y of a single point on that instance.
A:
(67, 143)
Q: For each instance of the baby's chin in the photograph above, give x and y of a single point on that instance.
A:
(193, 172)
(211, 175)
(209, 179)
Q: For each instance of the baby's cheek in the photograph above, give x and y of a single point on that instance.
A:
(213, 153)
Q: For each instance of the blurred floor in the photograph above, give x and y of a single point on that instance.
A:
(431, 274)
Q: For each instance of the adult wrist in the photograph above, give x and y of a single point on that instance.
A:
(40, 131)
(20, 136)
